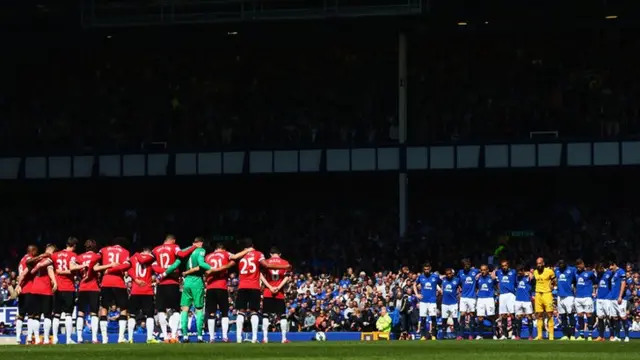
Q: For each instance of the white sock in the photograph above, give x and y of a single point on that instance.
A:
(150, 325)
(103, 331)
(122, 326)
(35, 330)
(68, 327)
(255, 321)
(174, 324)
(56, 328)
(239, 326)
(47, 329)
(19, 329)
(284, 327)
(265, 328)
(225, 327)
(29, 331)
(95, 324)
(132, 325)
(162, 320)
(211, 324)
(79, 328)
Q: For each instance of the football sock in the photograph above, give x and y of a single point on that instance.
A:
(565, 324)
(581, 325)
(150, 324)
(225, 327)
(47, 329)
(255, 320)
(625, 326)
(540, 328)
(616, 326)
(239, 327)
(79, 328)
(174, 323)
(122, 326)
(473, 327)
(162, 319)
(456, 327)
(572, 325)
(95, 323)
(68, 327)
(601, 327)
(265, 328)
(18, 329)
(462, 325)
(131, 324)
(211, 324)
(505, 328)
(200, 322)
(55, 328)
(590, 323)
(184, 319)
(284, 327)
(529, 326)
(551, 328)
(434, 326)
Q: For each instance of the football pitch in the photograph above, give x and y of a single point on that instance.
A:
(448, 350)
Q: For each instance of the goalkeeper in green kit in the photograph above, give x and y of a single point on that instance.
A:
(193, 289)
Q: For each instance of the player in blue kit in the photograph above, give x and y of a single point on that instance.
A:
(428, 308)
(566, 276)
(467, 277)
(523, 305)
(486, 305)
(602, 300)
(618, 302)
(585, 286)
(449, 307)
(506, 278)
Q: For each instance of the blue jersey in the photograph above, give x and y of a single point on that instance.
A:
(429, 286)
(468, 282)
(617, 278)
(584, 283)
(507, 281)
(523, 292)
(604, 285)
(565, 278)
(486, 286)
(450, 291)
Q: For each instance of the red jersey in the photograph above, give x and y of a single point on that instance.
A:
(249, 265)
(275, 277)
(42, 282)
(166, 255)
(114, 254)
(141, 271)
(27, 279)
(89, 281)
(62, 261)
(216, 260)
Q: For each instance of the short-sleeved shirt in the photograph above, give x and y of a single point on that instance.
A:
(275, 277)
(218, 259)
(62, 260)
(89, 279)
(111, 255)
(543, 280)
(249, 270)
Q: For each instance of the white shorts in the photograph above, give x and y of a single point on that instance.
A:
(524, 308)
(565, 305)
(428, 309)
(467, 305)
(449, 311)
(507, 304)
(584, 305)
(618, 310)
(603, 308)
(486, 307)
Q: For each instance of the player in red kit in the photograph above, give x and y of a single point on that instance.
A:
(168, 287)
(217, 291)
(41, 299)
(64, 300)
(249, 289)
(114, 290)
(273, 305)
(25, 283)
(89, 290)
(141, 302)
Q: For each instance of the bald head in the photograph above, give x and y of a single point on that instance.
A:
(540, 263)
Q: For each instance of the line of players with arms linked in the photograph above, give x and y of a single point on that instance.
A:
(47, 290)
(468, 298)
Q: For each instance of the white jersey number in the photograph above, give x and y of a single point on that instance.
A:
(247, 266)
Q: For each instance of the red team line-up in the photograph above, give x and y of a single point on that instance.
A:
(47, 290)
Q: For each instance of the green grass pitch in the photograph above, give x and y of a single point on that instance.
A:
(408, 350)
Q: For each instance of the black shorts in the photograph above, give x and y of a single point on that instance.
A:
(248, 299)
(114, 296)
(22, 304)
(89, 302)
(217, 299)
(273, 306)
(168, 298)
(141, 304)
(39, 305)
(63, 302)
